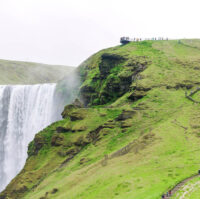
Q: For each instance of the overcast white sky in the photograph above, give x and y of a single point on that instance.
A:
(68, 31)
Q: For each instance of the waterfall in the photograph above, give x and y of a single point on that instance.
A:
(24, 111)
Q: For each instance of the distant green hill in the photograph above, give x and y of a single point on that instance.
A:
(137, 136)
(16, 72)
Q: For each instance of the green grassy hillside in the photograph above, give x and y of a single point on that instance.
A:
(16, 72)
(137, 135)
(190, 190)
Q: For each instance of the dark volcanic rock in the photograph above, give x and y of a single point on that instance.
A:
(74, 112)
(57, 139)
(67, 110)
(93, 136)
(109, 125)
(114, 78)
(81, 141)
(136, 95)
(38, 143)
(109, 61)
(125, 115)
(61, 129)
(125, 124)
(74, 116)
(55, 190)
(72, 151)
(84, 160)
(79, 128)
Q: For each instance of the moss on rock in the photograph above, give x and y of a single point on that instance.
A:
(57, 139)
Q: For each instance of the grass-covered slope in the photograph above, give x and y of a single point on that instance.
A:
(16, 72)
(137, 136)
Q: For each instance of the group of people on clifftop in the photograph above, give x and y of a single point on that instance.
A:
(125, 40)
(147, 39)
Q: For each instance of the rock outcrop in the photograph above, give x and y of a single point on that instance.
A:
(113, 78)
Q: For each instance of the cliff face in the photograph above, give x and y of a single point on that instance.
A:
(135, 135)
(112, 78)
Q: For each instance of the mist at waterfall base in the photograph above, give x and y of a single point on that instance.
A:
(24, 111)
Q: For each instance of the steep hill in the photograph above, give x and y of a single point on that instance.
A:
(137, 135)
(16, 72)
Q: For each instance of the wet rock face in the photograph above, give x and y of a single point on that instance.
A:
(86, 93)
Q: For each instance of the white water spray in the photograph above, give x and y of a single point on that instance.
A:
(24, 111)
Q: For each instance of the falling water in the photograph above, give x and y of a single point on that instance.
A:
(24, 111)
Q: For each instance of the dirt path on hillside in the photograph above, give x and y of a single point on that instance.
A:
(186, 189)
